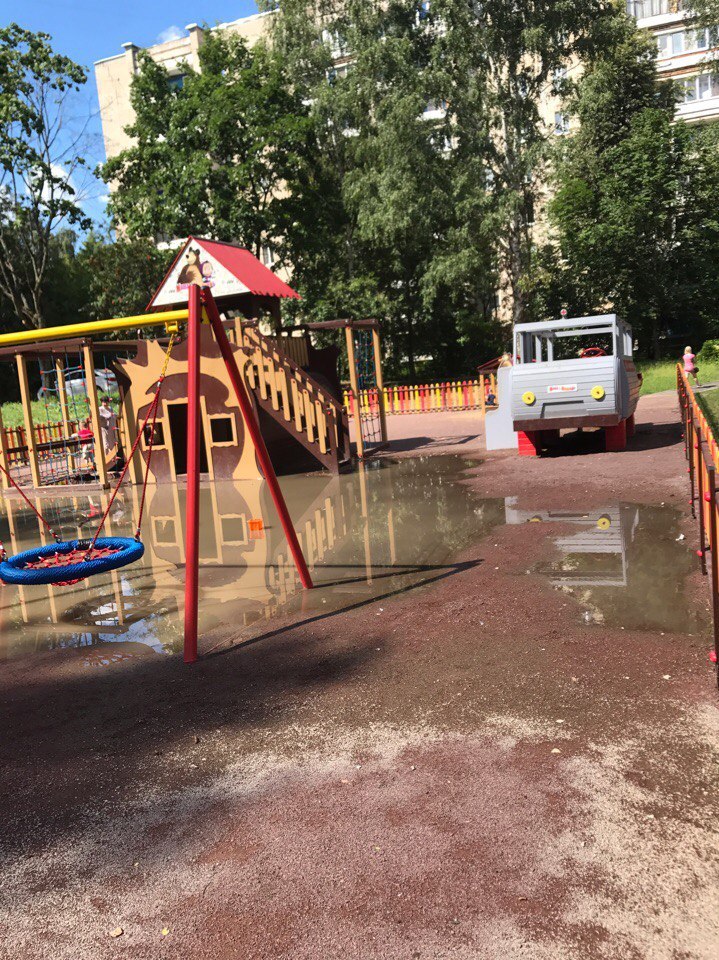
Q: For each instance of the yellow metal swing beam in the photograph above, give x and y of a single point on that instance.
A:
(93, 326)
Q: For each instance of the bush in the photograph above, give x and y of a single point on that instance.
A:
(709, 352)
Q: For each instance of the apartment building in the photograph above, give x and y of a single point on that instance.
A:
(114, 74)
(685, 54)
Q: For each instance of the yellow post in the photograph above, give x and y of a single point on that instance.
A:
(62, 397)
(88, 361)
(377, 347)
(62, 394)
(349, 337)
(3, 455)
(28, 419)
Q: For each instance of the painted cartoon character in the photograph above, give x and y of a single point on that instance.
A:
(191, 272)
(195, 271)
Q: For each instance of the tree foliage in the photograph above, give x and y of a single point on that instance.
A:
(431, 132)
(120, 276)
(39, 162)
(213, 156)
(634, 202)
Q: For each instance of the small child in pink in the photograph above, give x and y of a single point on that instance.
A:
(689, 365)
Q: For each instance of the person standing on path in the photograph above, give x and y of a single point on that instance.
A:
(689, 366)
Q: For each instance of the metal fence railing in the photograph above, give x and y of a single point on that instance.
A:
(702, 452)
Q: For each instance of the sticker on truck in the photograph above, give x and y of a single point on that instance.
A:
(563, 388)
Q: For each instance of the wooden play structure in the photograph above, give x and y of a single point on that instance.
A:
(221, 399)
(294, 386)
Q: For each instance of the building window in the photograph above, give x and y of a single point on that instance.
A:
(704, 86)
(176, 81)
(335, 42)
(267, 256)
(435, 110)
(685, 41)
(561, 124)
(652, 8)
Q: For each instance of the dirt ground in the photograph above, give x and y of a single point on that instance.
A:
(464, 770)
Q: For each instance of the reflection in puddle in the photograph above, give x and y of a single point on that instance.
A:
(385, 528)
(622, 564)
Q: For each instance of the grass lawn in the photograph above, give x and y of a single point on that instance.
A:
(709, 402)
(662, 375)
(44, 413)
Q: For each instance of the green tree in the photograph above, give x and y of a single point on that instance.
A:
(433, 206)
(221, 154)
(635, 202)
(121, 276)
(40, 164)
(502, 59)
(403, 234)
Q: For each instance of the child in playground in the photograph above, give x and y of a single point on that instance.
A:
(84, 435)
(689, 366)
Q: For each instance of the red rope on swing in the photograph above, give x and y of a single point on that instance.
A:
(152, 411)
(29, 503)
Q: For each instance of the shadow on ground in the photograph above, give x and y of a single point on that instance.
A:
(77, 733)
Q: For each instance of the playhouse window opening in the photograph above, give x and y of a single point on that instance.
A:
(165, 531)
(159, 440)
(222, 430)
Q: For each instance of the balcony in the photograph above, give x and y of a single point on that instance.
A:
(656, 13)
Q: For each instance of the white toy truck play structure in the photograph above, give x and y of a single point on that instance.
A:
(569, 374)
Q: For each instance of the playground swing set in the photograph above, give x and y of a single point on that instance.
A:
(279, 386)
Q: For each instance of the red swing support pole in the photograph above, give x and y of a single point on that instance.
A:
(192, 544)
(257, 439)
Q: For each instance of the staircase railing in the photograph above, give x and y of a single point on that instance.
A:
(317, 419)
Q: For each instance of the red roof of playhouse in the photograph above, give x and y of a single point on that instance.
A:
(226, 269)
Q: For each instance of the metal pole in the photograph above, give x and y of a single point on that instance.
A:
(714, 558)
(354, 388)
(192, 515)
(700, 498)
(257, 439)
(94, 326)
(379, 378)
(690, 442)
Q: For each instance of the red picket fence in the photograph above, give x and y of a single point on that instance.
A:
(48, 437)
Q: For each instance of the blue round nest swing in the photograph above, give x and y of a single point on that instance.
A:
(70, 561)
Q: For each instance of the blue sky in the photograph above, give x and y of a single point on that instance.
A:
(88, 30)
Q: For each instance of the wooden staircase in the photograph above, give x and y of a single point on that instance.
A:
(295, 400)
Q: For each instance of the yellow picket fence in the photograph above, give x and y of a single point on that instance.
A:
(453, 395)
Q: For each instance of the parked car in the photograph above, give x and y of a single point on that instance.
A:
(76, 384)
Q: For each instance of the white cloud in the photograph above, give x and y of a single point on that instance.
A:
(55, 188)
(171, 33)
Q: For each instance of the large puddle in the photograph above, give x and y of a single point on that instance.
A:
(382, 530)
